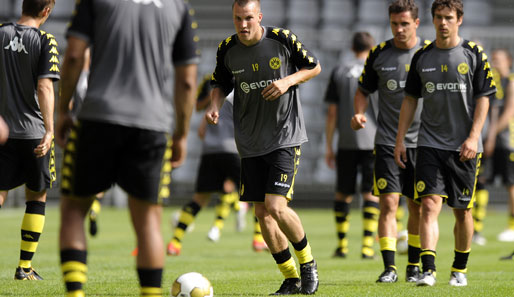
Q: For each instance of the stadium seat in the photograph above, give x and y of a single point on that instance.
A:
(303, 13)
(373, 12)
(5, 11)
(334, 37)
(273, 13)
(338, 12)
(477, 12)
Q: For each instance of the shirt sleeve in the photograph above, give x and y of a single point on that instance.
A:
(82, 21)
(413, 86)
(483, 82)
(368, 81)
(331, 93)
(300, 55)
(185, 48)
(48, 61)
(222, 77)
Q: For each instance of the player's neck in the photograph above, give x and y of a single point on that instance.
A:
(29, 21)
(447, 43)
(362, 55)
(411, 43)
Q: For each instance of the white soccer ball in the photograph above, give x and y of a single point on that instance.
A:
(192, 284)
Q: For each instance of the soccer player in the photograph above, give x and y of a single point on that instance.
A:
(454, 79)
(219, 171)
(386, 70)
(29, 65)
(264, 65)
(355, 148)
(123, 131)
(499, 144)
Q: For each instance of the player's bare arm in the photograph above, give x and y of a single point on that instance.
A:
(469, 148)
(409, 105)
(217, 98)
(4, 131)
(330, 127)
(360, 104)
(45, 92)
(71, 68)
(185, 99)
(279, 87)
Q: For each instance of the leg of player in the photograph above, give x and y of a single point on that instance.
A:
(146, 219)
(96, 207)
(479, 212)
(463, 232)
(387, 236)
(222, 209)
(186, 218)
(429, 235)
(3, 197)
(31, 229)
(290, 224)
(370, 214)
(278, 246)
(341, 212)
(414, 247)
(508, 234)
(402, 234)
(72, 245)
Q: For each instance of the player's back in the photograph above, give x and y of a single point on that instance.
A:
(135, 49)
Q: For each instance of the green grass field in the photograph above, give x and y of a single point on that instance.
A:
(235, 270)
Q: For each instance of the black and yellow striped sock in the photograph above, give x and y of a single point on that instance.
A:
(187, 216)
(511, 222)
(286, 264)
(460, 261)
(341, 211)
(414, 249)
(370, 212)
(257, 233)
(479, 210)
(428, 259)
(74, 269)
(222, 209)
(150, 281)
(31, 229)
(303, 251)
(388, 250)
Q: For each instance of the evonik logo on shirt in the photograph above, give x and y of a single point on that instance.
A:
(157, 3)
(16, 46)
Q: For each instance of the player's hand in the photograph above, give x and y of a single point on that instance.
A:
(358, 121)
(179, 151)
(330, 158)
(44, 145)
(4, 131)
(400, 155)
(62, 128)
(212, 114)
(468, 150)
(275, 90)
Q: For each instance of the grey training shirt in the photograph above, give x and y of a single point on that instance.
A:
(450, 81)
(136, 43)
(263, 126)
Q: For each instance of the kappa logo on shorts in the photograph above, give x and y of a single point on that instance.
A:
(381, 183)
(420, 186)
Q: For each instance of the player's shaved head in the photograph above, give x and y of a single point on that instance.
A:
(451, 4)
(33, 8)
(400, 6)
(243, 3)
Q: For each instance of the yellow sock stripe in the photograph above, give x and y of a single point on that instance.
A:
(387, 244)
(75, 277)
(25, 263)
(151, 291)
(343, 227)
(229, 198)
(76, 293)
(479, 226)
(413, 264)
(370, 225)
(179, 233)
(343, 244)
(372, 210)
(222, 210)
(288, 268)
(74, 266)
(463, 252)
(96, 206)
(511, 223)
(257, 228)
(368, 251)
(33, 222)
(186, 218)
(425, 253)
(219, 223)
(258, 237)
(305, 255)
(368, 241)
(465, 270)
(413, 240)
(29, 246)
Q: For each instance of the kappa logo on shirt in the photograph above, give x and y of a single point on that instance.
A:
(157, 3)
(16, 46)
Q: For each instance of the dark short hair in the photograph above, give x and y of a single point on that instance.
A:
(399, 6)
(33, 8)
(362, 42)
(244, 2)
(451, 4)
(507, 53)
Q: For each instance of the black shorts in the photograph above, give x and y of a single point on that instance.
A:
(389, 178)
(273, 173)
(19, 165)
(440, 172)
(98, 155)
(215, 169)
(349, 163)
(503, 165)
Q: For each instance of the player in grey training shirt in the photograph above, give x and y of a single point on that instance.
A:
(29, 65)
(264, 66)
(355, 148)
(454, 79)
(386, 71)
(123, 132)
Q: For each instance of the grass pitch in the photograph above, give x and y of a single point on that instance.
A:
(235, 270)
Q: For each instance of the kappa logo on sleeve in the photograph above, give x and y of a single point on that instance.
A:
(16, 45)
